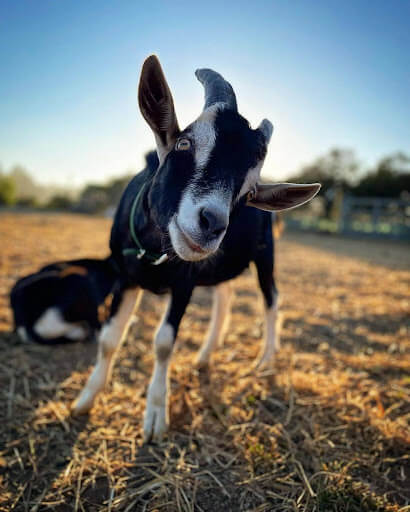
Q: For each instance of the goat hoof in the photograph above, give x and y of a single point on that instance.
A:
(82, 405)
(265, 362)
(155, 423)
(202, 361)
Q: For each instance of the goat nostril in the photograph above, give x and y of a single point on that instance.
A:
(203, 219)
(218, 231)
(211, 222)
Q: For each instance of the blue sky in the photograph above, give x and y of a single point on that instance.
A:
(326, 73)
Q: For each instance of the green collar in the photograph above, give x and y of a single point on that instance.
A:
(140, 252)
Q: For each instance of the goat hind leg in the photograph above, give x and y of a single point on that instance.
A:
(220, 318)
(272, 336)
(265, 267)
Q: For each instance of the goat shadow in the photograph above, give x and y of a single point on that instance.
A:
(38, 438)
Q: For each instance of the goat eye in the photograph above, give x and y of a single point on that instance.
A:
(183, 145)
(251, 194)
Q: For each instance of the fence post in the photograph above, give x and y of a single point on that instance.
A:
(376, 214)
(345, 214)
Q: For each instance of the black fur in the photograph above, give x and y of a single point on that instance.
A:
(77, 288)
(238, 148)
(190, 205)
(248, 239)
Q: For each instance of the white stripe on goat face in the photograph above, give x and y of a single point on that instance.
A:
(204, 136)
(194, 199)
(217, 200)
(251, 179)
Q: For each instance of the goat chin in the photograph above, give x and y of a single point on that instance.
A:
(181, 245)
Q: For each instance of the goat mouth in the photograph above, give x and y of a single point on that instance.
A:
(189, 242)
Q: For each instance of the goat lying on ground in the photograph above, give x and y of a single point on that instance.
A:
(194, 219)
(63, 302)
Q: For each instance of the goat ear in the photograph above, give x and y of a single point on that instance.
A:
(282, 196)
(157, 106)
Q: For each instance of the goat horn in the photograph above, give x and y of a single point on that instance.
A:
(217, 89)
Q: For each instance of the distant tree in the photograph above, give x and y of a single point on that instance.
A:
(59, 202)
(93, 199)
(338, 167)
(7, 190)
(98, 198)
(27, 202)
(25, 184)
(115, 188)
(390, 178)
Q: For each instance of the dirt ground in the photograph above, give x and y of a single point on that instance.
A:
(327, 429)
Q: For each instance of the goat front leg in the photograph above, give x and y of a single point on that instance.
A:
(220, 318)
(156, 418)
(111, 335)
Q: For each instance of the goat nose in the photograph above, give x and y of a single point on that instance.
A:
(212, 222)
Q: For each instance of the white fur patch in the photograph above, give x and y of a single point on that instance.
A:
(187, 220)
(115, 329)
(164, 338)
(217, 201)
(271, 341)
(156, 412)
(272, 337)
(180, 246)
(204, 135)
(251, 179)
(51, 324)
(77, 332)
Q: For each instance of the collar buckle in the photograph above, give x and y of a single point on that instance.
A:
(160, 260)
(140, 254)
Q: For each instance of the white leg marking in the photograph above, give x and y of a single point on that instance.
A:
(109, 340)
(220, 318)
(156, 418)
(272, 337)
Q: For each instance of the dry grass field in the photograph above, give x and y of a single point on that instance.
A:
(327, 429)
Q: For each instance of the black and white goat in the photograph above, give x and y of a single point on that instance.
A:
(64, 301)
(193, 220)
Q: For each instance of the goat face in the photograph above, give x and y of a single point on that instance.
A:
(205, 169)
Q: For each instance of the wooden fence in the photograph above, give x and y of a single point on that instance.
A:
(374, 217)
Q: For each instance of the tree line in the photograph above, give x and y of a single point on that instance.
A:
(340, 168)
(337, 169)
(19, 189)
